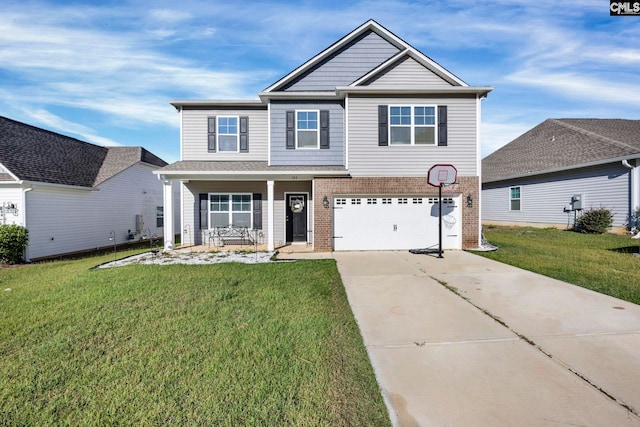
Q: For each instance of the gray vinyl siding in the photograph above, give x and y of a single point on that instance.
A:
(544, 197)
(347, 65)
(280, 155)
(195, 134)
(408, 74)
(366, 158)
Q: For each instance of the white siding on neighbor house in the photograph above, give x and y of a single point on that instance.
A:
(63, 220)
(543, 198)
(366, 158)
(13, 194)
(408, 74)
(195, 135)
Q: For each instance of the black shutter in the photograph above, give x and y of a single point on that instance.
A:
(212, 134)
(383, 125)
(257, 211)
(324, 128)
(442, 125)
(244, 134)
(204, 211)
(291, 130)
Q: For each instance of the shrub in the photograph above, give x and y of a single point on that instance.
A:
(13, 242)
(595, 221)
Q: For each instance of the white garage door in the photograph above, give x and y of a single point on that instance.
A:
(388, 223)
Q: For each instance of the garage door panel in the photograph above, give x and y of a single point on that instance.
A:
(387, 223)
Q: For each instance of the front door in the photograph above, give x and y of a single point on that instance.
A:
(296, 217)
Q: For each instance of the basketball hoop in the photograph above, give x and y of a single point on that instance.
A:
(451, 188)
(440, 175)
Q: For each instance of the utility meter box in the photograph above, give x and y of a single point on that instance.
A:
(576, 202)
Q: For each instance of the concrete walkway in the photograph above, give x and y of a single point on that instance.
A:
(466, 341)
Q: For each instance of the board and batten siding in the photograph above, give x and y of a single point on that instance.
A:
(347, 65)
(280, 155)
(366, 158)
(195, 135)
(408, 74)
(543, 198)
(62, 220)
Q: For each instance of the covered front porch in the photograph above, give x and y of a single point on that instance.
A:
(269, 206)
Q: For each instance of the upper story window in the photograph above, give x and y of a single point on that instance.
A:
(228, 134)
(514, 198)
(307, 129)
(412, 125)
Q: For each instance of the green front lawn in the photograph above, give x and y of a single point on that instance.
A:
(229, 344)
(601, 262)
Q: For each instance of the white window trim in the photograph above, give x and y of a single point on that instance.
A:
(413, 126)
(218, 134)
(519, 187)
(231, 211)
(317, 130)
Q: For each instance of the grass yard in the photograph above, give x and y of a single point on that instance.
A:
(227, 345)
(604, 263)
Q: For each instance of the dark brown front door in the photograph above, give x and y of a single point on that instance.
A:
(296, 217)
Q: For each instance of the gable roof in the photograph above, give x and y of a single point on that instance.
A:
(560, 144)
(28, 153)
(396, 48)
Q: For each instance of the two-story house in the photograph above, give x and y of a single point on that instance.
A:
(336, 153)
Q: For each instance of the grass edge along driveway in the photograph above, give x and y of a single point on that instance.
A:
(604, 263)
(228, 344)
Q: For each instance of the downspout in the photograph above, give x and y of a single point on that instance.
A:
(634, 186)
(24, 217)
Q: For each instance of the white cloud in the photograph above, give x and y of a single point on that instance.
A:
(49, 120)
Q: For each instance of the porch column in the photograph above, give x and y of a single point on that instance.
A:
(270, 217)
(167, 201)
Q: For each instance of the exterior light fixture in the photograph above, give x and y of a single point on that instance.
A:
(325, 202)
(469, 201)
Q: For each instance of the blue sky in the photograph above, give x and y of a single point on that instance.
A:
(106, 73)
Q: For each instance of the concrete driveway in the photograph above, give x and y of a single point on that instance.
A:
(466, 341)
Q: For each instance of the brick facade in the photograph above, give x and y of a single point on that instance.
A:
(391, 186)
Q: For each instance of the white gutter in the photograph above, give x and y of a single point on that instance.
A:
(634, 186)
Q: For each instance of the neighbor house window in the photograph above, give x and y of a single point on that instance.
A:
(412, 125)
(307, 135)
(227, 133)
(514, 198)
(230, 209)
(159, 216)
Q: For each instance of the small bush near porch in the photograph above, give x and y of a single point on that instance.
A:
(227, 345)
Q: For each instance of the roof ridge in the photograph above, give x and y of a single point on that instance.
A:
(593, 134)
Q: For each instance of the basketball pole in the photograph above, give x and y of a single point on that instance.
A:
(440, 221)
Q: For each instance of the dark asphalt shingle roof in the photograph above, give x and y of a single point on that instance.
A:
(562, 143)
(39, 155)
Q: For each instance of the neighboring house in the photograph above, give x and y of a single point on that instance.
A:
(562, 167)
(71, 195)
(335, 154)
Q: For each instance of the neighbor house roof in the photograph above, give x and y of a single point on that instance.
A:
(29, 153)
(560, 144)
